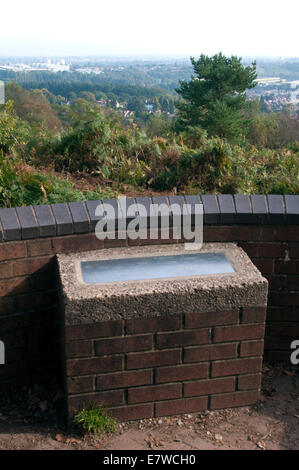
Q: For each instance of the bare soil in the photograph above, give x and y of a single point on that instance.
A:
(33, 419)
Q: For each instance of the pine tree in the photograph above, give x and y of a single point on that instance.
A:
(215, 96)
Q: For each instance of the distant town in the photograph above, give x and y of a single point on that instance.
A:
(274, 92)
(49, 65)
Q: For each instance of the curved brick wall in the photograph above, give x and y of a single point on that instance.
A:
(266, 227)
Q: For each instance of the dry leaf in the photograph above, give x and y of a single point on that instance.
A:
(71, 440)
(261, 445)
(43, 190)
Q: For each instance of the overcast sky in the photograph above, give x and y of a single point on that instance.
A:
(129, 27)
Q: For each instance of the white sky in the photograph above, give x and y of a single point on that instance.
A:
(128, 27)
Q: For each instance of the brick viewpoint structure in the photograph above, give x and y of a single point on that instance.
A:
(158, 347)
(266, 227)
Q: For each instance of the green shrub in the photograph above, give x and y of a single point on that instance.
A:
(117, 151)
(266, 171)
(182, 166)
(20, 185)
(13, 132)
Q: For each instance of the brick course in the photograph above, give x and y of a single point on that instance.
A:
(186, 376)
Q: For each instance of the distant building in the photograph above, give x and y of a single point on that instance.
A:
(47, 66)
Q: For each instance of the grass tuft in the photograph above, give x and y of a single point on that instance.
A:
(94, 420)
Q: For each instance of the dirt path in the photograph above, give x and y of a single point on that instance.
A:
(32, 421)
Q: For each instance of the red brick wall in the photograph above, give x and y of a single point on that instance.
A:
(161, 366)
(28, 289)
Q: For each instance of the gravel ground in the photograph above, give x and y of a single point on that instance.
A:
(33, 418)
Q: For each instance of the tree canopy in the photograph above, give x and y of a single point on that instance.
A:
(215, 96)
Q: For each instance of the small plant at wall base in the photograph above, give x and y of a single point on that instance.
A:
(94, 420)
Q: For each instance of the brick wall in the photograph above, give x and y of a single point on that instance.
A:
(161, 366)
(31, 236)
(275, 252)
(28, 312)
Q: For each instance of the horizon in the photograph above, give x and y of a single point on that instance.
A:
(144, 57)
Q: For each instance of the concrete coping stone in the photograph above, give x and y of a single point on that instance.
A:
(87, 303)
(79, 217)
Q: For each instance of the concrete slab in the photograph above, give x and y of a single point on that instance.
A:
(155, 297)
